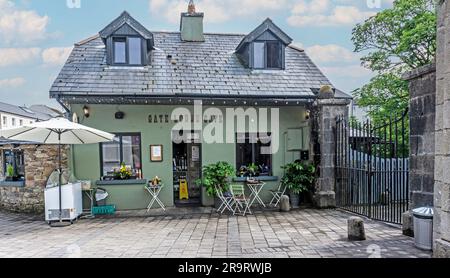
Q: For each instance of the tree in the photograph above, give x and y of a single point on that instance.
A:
(394, 41)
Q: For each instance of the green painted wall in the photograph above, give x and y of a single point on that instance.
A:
(86, 158)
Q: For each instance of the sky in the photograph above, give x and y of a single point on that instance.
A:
(37, 36)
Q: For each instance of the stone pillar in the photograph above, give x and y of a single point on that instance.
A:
(422, 88)
(441, 230)
(325, 112)
(422, 107)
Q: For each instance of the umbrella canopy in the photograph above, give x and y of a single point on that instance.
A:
(57, 131)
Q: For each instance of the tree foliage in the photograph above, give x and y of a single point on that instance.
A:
(394, 41)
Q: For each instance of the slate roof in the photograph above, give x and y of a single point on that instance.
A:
(196, 69)
(23, 112)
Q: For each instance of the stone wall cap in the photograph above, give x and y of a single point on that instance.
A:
(419, 72)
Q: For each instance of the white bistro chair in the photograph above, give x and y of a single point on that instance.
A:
(277, 193)
(226, 200)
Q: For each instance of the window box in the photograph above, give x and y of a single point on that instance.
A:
(120, 182)
(262, 178)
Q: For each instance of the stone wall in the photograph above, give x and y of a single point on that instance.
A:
(442, 169)
(40, 161)
(422, 88)
(325, 113)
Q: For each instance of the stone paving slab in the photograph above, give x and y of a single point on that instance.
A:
(298, 234)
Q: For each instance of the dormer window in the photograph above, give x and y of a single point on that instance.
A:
(128, 43)
(267, 55)
(264, 47)
(127, 51)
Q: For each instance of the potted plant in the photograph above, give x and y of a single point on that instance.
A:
(298, 178)
(124, 173)
(216, 175)
(10, 173)
(252, 170)
(156, 181)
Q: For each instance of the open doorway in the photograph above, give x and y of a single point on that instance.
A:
(187, 168)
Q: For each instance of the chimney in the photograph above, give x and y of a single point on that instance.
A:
(191, 26)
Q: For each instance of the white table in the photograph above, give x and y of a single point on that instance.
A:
(255, 191)
(154, 191)
(90, 194)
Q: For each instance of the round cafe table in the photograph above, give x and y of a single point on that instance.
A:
(154, 191)
(255, 191)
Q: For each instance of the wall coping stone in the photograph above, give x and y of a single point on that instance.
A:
(12, 183)
(419, 72)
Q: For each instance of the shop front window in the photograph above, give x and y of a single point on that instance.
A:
(252, 157)
(125, 150)
(13, 165)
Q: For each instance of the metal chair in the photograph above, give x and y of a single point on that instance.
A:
(280, 191)
(241, 202)
(225, 199)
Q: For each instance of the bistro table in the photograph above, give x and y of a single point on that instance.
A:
(255, 191)
(154, 191)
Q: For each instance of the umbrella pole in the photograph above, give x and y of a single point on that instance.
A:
(60, 177)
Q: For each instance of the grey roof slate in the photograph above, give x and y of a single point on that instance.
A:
(208, 68)
(23, 111)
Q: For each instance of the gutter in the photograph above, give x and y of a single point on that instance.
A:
(68, 112)
(180, 96)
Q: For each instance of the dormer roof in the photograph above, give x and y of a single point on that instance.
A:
(125, 19)
(267, 25)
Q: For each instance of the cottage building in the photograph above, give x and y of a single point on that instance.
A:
(141, 84)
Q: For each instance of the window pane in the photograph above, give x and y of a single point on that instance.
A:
(250, 151)
(131, 146)
(16, 160)
(111, 156)
(273, 55)
(258, 55)
(120, 52)
(135, 51)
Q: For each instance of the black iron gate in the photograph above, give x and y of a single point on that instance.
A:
(372, 167)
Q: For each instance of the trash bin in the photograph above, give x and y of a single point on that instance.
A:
(423, 227)
(100, 196)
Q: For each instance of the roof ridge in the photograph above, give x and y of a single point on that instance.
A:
(296, 47)
(87, 40)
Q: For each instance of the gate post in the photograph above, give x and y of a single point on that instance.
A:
(326, 109)
(441, 222)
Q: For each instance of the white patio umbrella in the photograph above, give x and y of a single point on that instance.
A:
(57, 131)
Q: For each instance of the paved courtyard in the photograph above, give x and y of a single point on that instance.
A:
(304, 233)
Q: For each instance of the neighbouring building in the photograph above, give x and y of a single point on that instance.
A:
(139, 85)
(32, 163)
(12, 116)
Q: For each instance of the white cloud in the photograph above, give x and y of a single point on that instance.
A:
(330, 53)
(12, 83)
(315, 6)
(17, 56)
(56, 56)
(216, 11)
(19, 25)
(323, 13)
(353, 71)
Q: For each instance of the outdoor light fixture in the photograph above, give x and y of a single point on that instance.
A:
(86, 111)
(307, 115)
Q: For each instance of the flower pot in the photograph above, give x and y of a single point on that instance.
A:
(295, 200)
